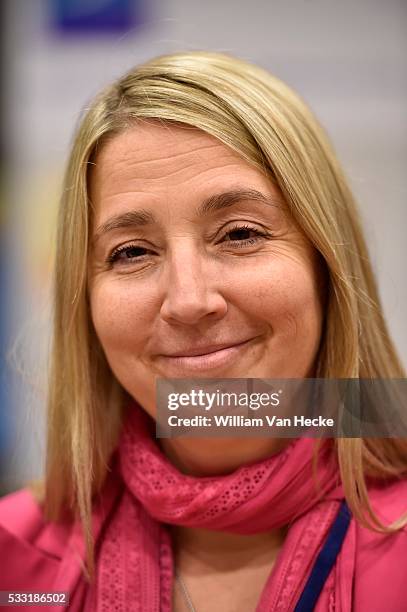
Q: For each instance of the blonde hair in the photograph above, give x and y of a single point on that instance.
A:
(258, 116)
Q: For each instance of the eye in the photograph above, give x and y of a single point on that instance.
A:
(244, 235)
(127, 254)
(239, 236)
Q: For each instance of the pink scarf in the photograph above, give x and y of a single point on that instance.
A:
(135, 564)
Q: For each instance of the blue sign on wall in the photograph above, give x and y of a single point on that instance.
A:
(74, 16)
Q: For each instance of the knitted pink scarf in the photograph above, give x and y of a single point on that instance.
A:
(135, 564)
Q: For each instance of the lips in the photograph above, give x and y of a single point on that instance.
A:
(205, 350)
(215, 358)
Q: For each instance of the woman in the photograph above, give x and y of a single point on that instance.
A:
(206, 231)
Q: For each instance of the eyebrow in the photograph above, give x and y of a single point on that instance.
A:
(215, 203)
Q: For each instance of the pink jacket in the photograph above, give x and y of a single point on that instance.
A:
(40, 556)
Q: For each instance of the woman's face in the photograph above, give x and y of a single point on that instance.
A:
(196, 269)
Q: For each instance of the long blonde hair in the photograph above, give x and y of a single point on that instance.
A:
(258, 116)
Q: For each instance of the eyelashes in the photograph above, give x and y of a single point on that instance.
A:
(245, 228)
(131, 253)
(115, 255)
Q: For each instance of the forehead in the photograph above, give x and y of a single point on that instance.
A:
(149, 138)
(156, 156)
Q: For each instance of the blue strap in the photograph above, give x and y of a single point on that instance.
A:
(325, 560)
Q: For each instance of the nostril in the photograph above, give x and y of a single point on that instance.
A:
(192, 311)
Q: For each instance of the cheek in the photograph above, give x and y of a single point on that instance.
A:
(287, 297)
(120, 319)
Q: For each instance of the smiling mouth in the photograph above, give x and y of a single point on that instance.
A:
(212, 359)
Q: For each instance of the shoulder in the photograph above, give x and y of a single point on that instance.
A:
(380, 568)
(41, 553)
(32, 548)
(20, 514)
(389, 500)
(22, 518)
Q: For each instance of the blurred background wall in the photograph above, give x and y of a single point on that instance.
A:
(347, 59)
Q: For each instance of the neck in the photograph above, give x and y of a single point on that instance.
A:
(219, 550)
(222, 551)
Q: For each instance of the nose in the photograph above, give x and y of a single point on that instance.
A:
(191, 293)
